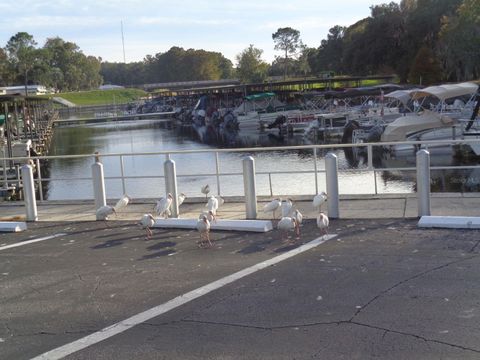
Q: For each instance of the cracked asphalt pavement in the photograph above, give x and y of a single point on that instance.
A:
(381, 289)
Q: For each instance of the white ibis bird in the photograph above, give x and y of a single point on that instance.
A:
(163, 206)
(104, 212)
(212, 204)
(322, 223)
(287, 224)
(205, 190)
(297, 215)
(273, 206)
(287, 208)
(123, 202)
(220, 200)
(211, 217)
(319, 199)
(147, 221)
(203, 227)
(181, 198)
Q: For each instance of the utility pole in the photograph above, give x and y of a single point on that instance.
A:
(123, 41)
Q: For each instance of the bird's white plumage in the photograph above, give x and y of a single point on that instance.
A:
(287, 208)
(297, 215)
(220, 200)
(209, 214)
(323, 222)
(181, 198)
(286, 224)
(104, 212)
(147, 220)
(273, 205)
(203, 224)
(319, 199)
(163, 206)
(122, 203)
(212, 204)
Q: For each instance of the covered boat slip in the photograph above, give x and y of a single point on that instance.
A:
(25, 129)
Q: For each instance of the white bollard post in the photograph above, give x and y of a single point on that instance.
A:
(171, 185)
(98, 184)
(249, 187)
(29, 193)
(331, 167)
(423, 183)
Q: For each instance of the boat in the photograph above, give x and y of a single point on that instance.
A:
(439, 113)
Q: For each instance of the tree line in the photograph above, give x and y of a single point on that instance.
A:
(422, 41)
(59, 64)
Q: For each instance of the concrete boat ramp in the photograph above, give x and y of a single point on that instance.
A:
(377, 286)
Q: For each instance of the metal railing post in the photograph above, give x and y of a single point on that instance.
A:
(122, 172)
(98, 179)
(315, 168)
(5, 175)
(423, 183)
(217, 170)
(29, 193)
(331, 167)
(370, 156)
(270, 183)
(39, 178)
(249, 187)
(171, 185)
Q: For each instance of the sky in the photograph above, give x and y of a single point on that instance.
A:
(154, 26)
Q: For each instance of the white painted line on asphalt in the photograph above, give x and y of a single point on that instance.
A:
(30, 241)
(127, 324)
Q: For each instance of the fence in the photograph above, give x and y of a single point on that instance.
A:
(225, 177)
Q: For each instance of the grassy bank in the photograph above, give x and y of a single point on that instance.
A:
(103, 97)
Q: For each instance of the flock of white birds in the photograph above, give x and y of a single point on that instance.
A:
(291, 218)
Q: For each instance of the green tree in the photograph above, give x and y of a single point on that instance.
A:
(22, 54)
(426, 68)
(459, 45)
(329, 56)
(178, 64)
(251, 68)
(5, 74)
(67, 68)
(287, 40)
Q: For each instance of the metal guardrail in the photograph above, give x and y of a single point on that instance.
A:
(218, 173)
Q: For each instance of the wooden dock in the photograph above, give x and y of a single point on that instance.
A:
(166, 116)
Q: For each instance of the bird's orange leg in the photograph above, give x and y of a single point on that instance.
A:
(208, 239)
(149, 234)
(200, 243)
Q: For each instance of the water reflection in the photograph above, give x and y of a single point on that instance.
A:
(150, 136)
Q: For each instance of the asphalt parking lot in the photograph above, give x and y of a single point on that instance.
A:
(381, 288)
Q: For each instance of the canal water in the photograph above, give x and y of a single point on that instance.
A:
(195, 170)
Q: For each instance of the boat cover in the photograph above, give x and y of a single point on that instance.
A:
(447, 91)
(405, 125)
(402, 95)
